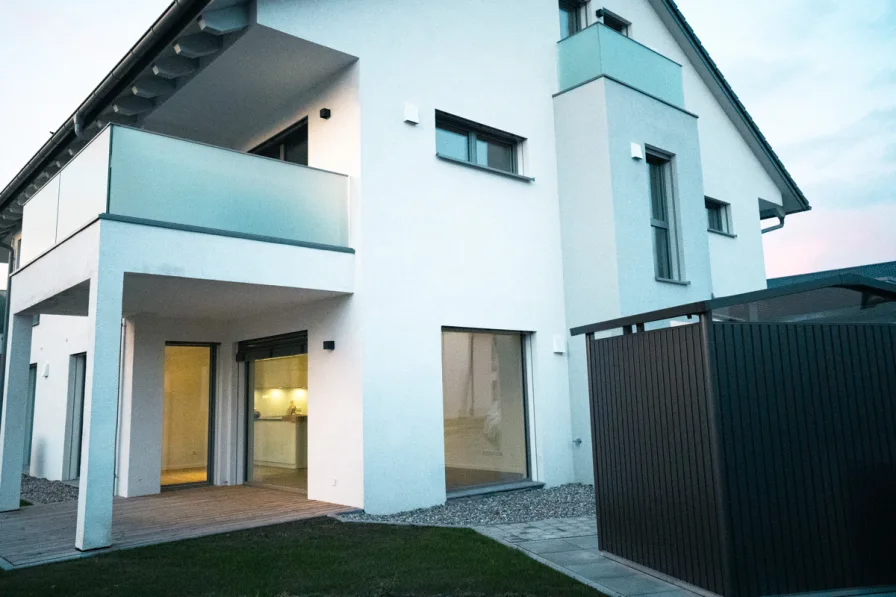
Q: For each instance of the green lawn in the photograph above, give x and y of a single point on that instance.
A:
(318, 557)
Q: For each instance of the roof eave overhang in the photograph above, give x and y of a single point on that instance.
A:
(178, 15)
(793, 199)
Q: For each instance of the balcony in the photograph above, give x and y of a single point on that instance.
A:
(145, 177)
(599, 51)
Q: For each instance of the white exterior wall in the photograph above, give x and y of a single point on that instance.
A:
(731, 172)
(53, 343)
(444, 245)
(335, 452)
(605, 197)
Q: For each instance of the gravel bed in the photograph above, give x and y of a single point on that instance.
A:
(42, 491)
(565, 501)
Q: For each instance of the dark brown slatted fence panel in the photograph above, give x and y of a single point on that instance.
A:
(654, 471)
(808, 429)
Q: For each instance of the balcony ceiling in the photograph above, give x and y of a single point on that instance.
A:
(189, 298)
(253, 84)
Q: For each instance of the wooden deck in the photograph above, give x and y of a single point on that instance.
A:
(46, 533)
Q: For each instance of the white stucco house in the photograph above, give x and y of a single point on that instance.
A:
(336, 247)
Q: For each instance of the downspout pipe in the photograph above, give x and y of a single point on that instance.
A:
(775, 227)
(6, 310)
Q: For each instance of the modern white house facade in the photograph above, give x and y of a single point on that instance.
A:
(336, 247)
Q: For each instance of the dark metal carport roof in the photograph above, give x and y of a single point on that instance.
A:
(864, 286)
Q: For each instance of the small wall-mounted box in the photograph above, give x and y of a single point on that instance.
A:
(325, 113)
(559, 344)
(411, 114)
(637, 151)
(329, 345)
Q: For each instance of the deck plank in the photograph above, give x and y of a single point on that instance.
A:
(46, 533)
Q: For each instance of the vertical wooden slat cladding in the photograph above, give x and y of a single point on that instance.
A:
(656, 497)
(749, 459)
(808, 426)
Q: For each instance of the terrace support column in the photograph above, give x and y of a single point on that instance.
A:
(12, 417)
(94, 528)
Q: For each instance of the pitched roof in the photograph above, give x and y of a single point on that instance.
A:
(182, 12)
(794, 200)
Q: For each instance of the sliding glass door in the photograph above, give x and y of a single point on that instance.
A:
(277, 411)
(187, 414)
(279, 426)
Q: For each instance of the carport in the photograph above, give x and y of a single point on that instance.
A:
(746, 445)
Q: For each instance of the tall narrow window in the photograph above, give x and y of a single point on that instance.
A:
(484, 400)
(662, 220)
(570, 18)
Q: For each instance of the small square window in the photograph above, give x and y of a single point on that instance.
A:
(466, 141)
(613, 21)
(718, 216)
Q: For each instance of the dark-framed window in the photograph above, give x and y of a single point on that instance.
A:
(571, 21)
(290, 145)
(718, 215)
(614, 21)
(662, 216)
(485, 405)
(466, 141)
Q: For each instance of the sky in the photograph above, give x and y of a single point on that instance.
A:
(818, 77)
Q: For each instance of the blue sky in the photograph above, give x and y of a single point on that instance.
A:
(818, 76)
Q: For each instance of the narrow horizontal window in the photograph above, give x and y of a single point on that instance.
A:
(477, 144)
(718, 216)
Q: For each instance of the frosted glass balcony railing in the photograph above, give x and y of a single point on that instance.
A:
(148, 177)
(600, 51)
(70, 200)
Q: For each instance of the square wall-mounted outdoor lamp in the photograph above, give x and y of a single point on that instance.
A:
(329, 345)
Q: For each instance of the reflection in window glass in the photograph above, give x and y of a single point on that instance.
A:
(452, 144)
(664, 242)
(494, 154)
(484, 409)
(569, 18)
(466, 141)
